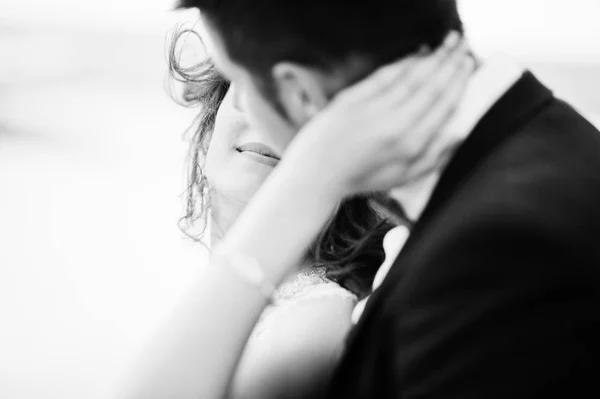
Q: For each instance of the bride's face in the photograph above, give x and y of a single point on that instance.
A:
(238, 160)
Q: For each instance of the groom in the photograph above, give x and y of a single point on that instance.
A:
(496, 291)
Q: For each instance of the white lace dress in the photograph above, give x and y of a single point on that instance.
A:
(308, 284)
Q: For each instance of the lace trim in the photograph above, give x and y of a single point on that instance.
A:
(302, 282)
(310, 283)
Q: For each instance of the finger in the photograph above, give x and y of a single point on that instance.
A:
(412, 126)
(452, 45)
(431, 150)
(432, 124)
(402, 119)
(448, 98)
(420, 103)
(388, 177)
(389, 75)
(422, 74)
(377, 83)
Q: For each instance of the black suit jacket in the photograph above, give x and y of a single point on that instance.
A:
(496, 293)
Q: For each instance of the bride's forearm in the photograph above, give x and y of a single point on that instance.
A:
(282, 220)
(197, 348)
(197, 352)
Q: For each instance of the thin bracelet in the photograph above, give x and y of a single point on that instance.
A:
(248, 270)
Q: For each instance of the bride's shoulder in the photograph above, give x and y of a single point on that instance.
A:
(310, 283)
(300, 334)
(307, 298)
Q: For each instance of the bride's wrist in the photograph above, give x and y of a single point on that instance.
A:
(281, 221)
(245, 268)
(314, 179)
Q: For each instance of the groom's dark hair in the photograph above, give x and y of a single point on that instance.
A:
(326, 34)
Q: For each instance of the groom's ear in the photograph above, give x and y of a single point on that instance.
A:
(302, 90)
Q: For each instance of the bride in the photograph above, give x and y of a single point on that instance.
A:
(269, 315)
(311, 311)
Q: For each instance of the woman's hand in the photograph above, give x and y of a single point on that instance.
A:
(381, 132)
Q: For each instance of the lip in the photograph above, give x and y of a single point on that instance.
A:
(259, 153)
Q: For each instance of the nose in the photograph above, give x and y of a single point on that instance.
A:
(236, 98)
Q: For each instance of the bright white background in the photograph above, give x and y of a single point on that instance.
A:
(91, 172)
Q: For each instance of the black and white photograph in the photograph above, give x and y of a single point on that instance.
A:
(207, 199)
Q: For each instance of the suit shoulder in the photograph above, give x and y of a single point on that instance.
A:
(549, 169)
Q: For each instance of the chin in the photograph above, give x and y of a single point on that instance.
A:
(238, 185)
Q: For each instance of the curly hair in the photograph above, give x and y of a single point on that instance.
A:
(349, 248)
